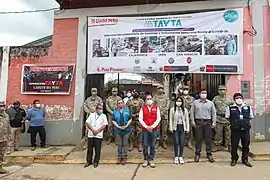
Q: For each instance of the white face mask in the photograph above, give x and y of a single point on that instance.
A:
(180, 90)
(203, 96)
(185, 92)
(178, 104)
(149, 102)
(128, 94)
(239, 101)
(37, 105)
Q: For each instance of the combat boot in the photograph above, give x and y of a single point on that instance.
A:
(189, 145)
(130, 148)
(3, 171)
(140, 148)
(164, 145)
(109, 141)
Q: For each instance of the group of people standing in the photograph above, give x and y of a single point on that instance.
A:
(143, 123)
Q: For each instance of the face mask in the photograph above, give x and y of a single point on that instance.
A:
(203, 96)
(2, 110)
(239, 101)
(128, 94)
(149, 102)
(178, 104)
(100, 112)
(180, 90)
(185, 92)
(135, 95)
(121, 105)
(37, 105)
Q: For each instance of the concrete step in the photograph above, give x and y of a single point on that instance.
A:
(259, 151)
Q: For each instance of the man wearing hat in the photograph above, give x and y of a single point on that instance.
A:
(239, 114)
(221, 102)
(188, 101)
(4, 134)
(163, 103)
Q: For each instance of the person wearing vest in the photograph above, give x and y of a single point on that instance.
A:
(239, 114)
(121, 120)
(149, 118)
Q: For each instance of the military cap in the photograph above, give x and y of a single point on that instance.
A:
(93, 89)
(114, 89)
(2, 103)
(160, 87)
(222, 87)
(186, 87)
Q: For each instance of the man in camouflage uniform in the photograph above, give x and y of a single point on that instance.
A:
(188, 101)
(111, 105)
(4, 135)
(89, 106)
(163, 103)
(135, 105)
(221, 102)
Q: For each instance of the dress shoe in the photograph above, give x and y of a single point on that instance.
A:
(95, 164)
(33, 148)
(210, 159)
(124, 161)
(246, 163)
(119, 161)
(197, 158)
(87, 164)
(233, 163)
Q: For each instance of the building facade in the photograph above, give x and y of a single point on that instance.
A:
(65, 113)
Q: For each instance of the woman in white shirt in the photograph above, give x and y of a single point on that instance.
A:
(96, 124)
(179, 126)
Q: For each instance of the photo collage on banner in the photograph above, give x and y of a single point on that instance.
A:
(210, 42)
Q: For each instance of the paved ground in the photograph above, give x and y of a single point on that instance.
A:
(191, 171)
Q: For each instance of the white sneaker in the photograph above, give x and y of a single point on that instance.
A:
(145, 163)
(181, 160)
(176, 160)
(152, 164)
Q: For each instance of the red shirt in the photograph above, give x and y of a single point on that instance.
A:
(149, 117)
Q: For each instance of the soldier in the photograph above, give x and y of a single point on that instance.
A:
(163, 103)
(91, 102)
(188, 101)
(89, 107)
(221, 102)
(136, 135)
(4, 135)
(111, 105)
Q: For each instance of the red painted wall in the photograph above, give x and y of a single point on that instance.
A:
(63, 51)
(234, 82)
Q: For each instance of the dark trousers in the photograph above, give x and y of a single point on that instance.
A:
(203, 132)
(149, 138)
(178, 141)
(93, 143)
(41, 132)
(236, 135)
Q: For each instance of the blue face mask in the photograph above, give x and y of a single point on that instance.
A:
(100, 112)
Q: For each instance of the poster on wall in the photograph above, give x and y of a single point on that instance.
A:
(209, 42)
(47, 79)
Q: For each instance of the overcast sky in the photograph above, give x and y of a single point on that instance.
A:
(19, 29)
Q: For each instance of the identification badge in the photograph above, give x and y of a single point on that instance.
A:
(241, 117)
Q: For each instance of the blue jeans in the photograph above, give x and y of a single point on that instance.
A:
(122, 145)
(149, 138)
(178, 138)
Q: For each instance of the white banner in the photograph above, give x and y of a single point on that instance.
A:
(210, 42)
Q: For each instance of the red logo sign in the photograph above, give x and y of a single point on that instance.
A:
(189, 60)
(209, 68)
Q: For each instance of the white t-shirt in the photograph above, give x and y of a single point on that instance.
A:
(96, 121)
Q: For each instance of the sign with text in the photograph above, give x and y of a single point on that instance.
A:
(47, 79)
(188, 43)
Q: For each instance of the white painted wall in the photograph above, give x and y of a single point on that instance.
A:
(4, 74)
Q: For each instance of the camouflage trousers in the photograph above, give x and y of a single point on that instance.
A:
(222, 130)
(3, 146)
(190, 135)
(136, 133)
(14, 139)
(110, 133)
(162, 132)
